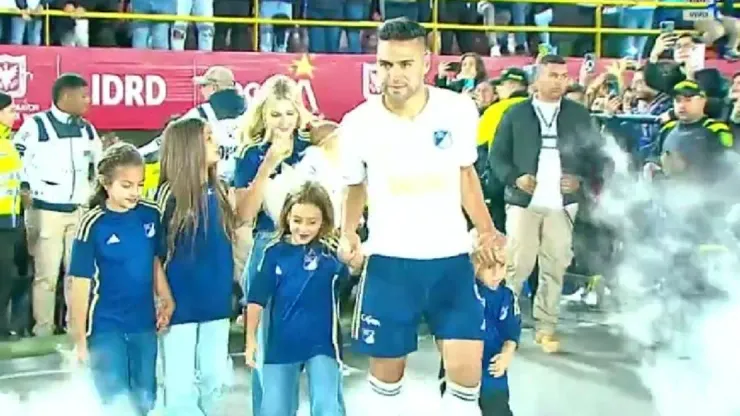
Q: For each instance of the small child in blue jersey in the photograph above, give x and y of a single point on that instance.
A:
(503, 327)
(295, 295)
(198, 222)
(115, 271)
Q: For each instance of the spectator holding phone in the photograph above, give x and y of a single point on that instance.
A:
(461, 76)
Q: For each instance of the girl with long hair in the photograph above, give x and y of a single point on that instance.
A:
(295, 297)
(273, 140)
(115, 270)
(199, 224)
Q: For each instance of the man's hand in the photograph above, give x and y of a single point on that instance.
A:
(350, 248)
(26, 14)
(569, 184)
(499, 364)
(26, 199)
(489, 248)
(526, 183)
(662, 43)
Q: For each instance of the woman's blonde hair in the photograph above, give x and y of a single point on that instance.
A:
(183, 159)
(277, 87)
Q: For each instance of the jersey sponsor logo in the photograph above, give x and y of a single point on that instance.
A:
(113, 239)
(150, 230)
(442, 139)
(225, 152)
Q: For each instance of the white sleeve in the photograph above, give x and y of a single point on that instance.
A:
(26, 140)
(192, 113)
(96, 149)
(151, 147)
(350, 150)
(466, 137)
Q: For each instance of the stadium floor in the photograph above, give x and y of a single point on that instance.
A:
(592, 376)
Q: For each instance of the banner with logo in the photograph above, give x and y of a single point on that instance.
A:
(140, 89)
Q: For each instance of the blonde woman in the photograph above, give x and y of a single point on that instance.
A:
(272, 142)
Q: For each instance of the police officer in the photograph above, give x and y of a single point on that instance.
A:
(223, 107)
(57, 147)
(691, 129)
(10, 210)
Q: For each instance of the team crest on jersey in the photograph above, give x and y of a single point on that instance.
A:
(442, 139)
(150, 230)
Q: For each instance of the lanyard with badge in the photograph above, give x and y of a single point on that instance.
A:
(543, 119)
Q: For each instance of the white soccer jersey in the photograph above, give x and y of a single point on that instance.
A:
(412, 169)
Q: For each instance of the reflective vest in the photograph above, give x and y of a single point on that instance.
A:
(10, 185)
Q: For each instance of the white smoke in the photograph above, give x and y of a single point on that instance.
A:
(678, 303)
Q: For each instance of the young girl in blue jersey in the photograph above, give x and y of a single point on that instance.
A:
(115, 271)
(294, 296)
(272, 142)
(198, 222)
(503, 327)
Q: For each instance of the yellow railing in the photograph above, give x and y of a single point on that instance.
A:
(598, 30)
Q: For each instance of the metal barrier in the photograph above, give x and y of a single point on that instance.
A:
(435, 25)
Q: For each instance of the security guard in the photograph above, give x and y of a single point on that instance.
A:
(10, 211)
(511, 88)
(693, 138)
(57, 147)
(222, 110)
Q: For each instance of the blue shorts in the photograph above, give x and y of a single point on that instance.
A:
(395, 294)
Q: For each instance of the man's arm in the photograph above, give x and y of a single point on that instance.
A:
(25, 141)
(473, 201)
(354, 174)
(355, 199)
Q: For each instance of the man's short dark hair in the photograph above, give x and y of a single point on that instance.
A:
(401, 28)
(735, 75)
(64, 83)
(552, 59)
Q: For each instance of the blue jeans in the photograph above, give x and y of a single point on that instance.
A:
(269, 42)
(355, 12)
(324, 39)
(195, 358)
(142, 32)
(205, 29)
(281, 387)
(261, 239)
(629, 18)
(124, 366)
(519, 12)
(408, 10)
(31, 29)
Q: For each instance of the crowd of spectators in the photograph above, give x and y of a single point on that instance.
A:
(718, 26)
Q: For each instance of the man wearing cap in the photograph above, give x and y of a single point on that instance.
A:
(511, 88)
(693, 139)
(223, 107)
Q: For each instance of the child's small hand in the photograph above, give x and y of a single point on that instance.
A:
(250, 351)
(165, 309)
(499, 364)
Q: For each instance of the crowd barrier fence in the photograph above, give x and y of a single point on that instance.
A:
(435, 25)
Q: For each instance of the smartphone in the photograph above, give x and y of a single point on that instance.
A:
(612, 88)
(667, 26)
(453, 67)
(589, 61)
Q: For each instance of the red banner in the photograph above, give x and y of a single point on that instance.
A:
(140, 89)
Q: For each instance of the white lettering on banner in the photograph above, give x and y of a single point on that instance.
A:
(692, 15)
(14, 75)
(129, 90)
(307, 91)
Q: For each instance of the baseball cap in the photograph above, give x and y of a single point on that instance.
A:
(218, 75)
(688, 89)
(514, 74)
